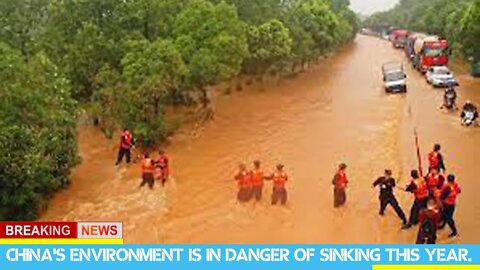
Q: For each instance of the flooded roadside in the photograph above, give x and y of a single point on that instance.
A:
(336, 112)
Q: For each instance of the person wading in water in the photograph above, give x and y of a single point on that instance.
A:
(340, 182)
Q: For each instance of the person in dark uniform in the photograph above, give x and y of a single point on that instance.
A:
(386, 184)
(429, 218)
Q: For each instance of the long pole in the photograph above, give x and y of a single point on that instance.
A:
(419, 156)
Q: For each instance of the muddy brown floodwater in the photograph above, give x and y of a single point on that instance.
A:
(336, 112)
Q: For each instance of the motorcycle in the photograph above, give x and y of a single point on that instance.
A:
(468, 118)
(449, 101)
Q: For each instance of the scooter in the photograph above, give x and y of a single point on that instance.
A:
(449, 102)
(468, 118)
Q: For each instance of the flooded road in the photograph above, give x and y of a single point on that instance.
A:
(336, 112)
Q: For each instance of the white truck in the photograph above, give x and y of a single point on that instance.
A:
(394, 77)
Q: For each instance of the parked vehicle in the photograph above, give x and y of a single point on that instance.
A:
(410, 45)
(394, 77)
(430, 51)
(398, 38)
(440, 76)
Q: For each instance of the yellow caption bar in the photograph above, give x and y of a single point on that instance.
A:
(426, 267)
(60, 241)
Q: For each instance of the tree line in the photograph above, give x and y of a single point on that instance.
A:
(459, 21)
(128, 60)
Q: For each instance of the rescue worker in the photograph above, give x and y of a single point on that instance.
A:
(435, 159)
(419, 188)
(435, 181)
(148, 169)
(429, 219)
(279, 178)
(449, 197)
(340, 182)
(257, 177)
(126, 145)
(162, 163)
(244, 183)
(387, 183)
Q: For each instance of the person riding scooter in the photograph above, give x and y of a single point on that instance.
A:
(469, 113)
(449, 98)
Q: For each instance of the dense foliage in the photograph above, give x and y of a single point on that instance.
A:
(128, 59)
(459, 21)
(37, 132)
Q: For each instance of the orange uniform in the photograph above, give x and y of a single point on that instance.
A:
(279, 179)
(279, 193)
(243, 179)
(126, 140)
(257, 177)
(162, 162)
(147, 166)
(452, 195)
(340, 180)
(148, 170)
(421, 192)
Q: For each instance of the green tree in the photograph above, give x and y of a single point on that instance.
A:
(469, 35)
(269, 44)
(20, 24)
(135, 98)
(212, 41)
(37, 133)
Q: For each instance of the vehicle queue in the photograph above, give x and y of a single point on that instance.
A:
(429, 54)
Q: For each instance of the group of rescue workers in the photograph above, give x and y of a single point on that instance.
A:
(434, 198)
(250, 183)
(434, 204)
(153, 169)
(434, 195)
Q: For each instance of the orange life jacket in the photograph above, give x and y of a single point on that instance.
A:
(422, 189)
(243, 178)
(433, 160)
(257, 177)
(162, 162)
(126, 140)
(341, 179)
(437, 193)
(279, 179)
(147, 166)
(432, 181)
(452, 196)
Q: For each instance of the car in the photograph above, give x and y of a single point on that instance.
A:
(440, 76)
(394, 77)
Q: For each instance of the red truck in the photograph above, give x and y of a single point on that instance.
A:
(430, 51)
(399, 38)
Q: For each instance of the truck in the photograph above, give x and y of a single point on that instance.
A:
(399, 37)
(394, 77)
(410, 45)
(430, 51)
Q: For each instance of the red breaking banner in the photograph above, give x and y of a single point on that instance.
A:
(38, 229)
